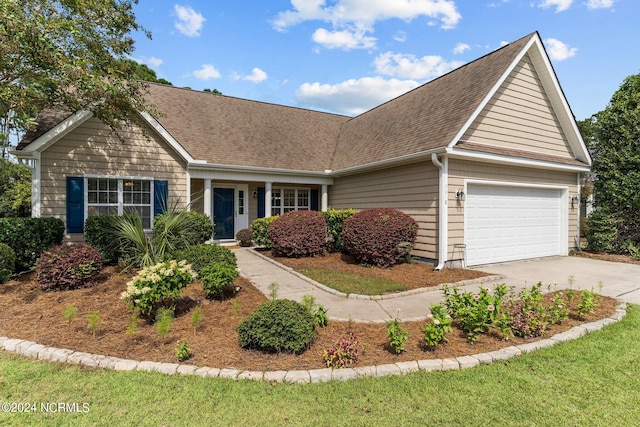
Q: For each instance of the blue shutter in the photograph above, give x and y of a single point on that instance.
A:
(313, 195)
(160, 196)
(75, 204)
(260, 202)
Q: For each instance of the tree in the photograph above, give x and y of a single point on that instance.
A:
(67, 54)
(616, 165)
(142, 72)
(15, 189)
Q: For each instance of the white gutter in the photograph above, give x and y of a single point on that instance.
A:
(443, 217)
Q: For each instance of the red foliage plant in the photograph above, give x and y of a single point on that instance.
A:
(68, 267)
(381, 237)
(299, 234)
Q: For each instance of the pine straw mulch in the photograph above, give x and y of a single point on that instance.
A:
(602, 256)
(30, 314)
(413, 275)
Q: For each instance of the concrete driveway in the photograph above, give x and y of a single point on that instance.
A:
(618, 280)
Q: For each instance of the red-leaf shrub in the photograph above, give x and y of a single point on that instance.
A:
(299, 234)
(68, 267)
(381, 237)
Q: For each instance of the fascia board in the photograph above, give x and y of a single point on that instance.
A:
(56, 133)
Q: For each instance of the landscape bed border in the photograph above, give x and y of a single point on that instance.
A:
(40, 352)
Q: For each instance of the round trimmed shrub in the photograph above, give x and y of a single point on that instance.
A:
(201, 256)
(68, 267)
(380, 237)
(299, 234)
(217, 280)
(7, 262)
(260, 231)
(280, 325)
(244, 237)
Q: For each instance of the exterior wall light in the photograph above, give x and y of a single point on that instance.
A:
(460, 194)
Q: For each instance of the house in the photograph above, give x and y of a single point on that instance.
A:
(487, 159)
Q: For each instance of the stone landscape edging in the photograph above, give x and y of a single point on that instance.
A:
(41, 352)
(325, 288)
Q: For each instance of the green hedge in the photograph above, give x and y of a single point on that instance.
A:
(29, 237)
(335, 218)
(201, 256)
(7, 262)
(260, 231)
(99, 232)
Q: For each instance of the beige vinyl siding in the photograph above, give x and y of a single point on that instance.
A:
(520, 116)
(413, 189)
(461, 170)
(93, 149)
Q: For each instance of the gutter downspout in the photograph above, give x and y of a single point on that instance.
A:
(443, 218)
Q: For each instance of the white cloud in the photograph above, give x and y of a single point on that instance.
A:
(600, 4)
(560, 5)
(353, 97)
(207, 72)
(358, 17)
(257, 76)
(401, 36)
(558, 50)
(345, 39)
(503, 43)
(189, 21)
(152, 61)
(409, 66)
(461, 48)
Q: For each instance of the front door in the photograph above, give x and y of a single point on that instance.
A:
(223, 213)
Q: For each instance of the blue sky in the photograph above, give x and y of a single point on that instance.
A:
(346, 56)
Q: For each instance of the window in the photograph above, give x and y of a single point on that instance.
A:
(240, 202)
(107, 196)
(285, 200)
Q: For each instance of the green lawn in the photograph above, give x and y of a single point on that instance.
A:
(593, 381)
(352, 283)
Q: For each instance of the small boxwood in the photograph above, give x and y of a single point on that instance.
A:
(7, 262)
(299, 234)
(68, 267)
(217, 280)
(244, 237)
(280, 325)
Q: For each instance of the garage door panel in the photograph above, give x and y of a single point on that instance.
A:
(504, 223)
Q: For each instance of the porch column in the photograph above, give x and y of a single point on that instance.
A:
(267, 199)
(207, 198)
(325, 199)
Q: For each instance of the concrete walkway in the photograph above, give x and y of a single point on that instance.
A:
(413, 305)
(621, 281)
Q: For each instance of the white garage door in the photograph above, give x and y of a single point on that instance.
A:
(504, 223)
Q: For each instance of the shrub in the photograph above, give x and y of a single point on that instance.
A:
(99, 233)
(602, 231)
(29, 237)
(381, 237)
(435, 332)
(201, 256)
(244, 237)
(524, 313)
(260, 231)
(335, 218)
(68, 267)
(195, 228)
(299, 234)
(397, 335)
(346, 351)
(7, 262)
(183, 351)
(318, 311)
(277, 326)
(217, 280)
(158, 286)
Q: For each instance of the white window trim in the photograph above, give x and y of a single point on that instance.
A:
(121, 180)
(296, 207)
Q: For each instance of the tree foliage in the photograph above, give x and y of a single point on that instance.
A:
(142, 72)
(15, 190)
(67, 54)
(616, 166)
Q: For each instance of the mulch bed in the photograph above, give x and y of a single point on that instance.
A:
(28, 313)
(626, 259)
